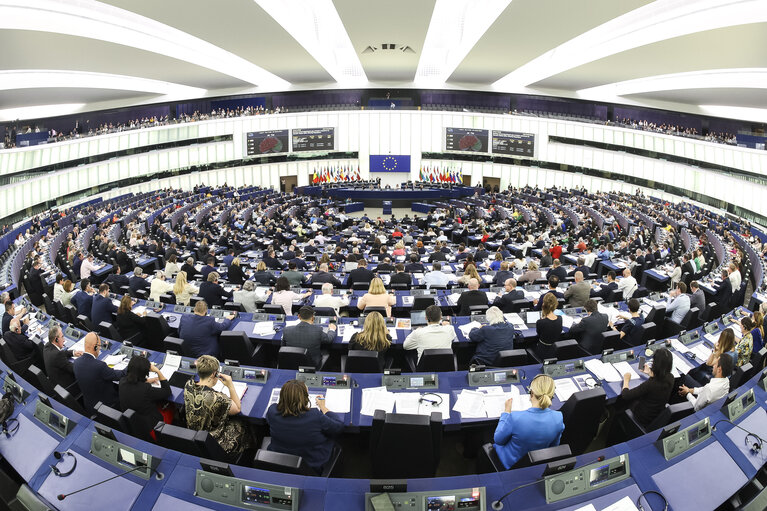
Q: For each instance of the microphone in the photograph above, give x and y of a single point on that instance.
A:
(157, 474)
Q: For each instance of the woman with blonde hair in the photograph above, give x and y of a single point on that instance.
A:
(469, 273)
(537, 427)
(374, 336)
(69, 290)
(263, 276)
(725, 345)
(399, 249)
(531, 275)
(183, 290)
(377, 297)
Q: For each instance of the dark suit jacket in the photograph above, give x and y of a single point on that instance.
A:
(401, 278)
(265, 278)
(559, 271)
(235, 275)
(501, 276)
(83, 302)
(557, 294)
(191, 273)
(143, 398)
(57, 365)
(688, 267)
(214, 294)
(437, 256)
(604, 291)
(469, 298)
(35, 282)
(723, 294)
(323, 277)
(505, 301)
(102, 309)
(698, 299)
(200, 333)
(309, 336)
(590, 329)
(385, 267)
(360, 275)
(138, 283)
(206, 270)
(129, 324)
(119, 280)
(95, 379)
(21, 346)
(308, 435)
(583, 269)
(414, 268)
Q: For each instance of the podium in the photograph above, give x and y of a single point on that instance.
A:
(387, 207)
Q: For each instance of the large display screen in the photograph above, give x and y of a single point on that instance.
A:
(466, 140)
(515, 144)
(314, 139)
(267, 142)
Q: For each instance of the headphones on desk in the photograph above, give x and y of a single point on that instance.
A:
(756, 446)
(643, 494)
(59, 456)
(433, 402)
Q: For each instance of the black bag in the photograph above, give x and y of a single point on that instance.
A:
(7, 405)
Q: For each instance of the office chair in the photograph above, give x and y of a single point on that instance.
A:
(405, 446)
(110, 417)
(63, 396)
(512, 358)
(545, 455)
(235, 345)
(363, 361)
(569, 349)
(290, 357)
(157, 329)
(434, 360)
(582, 413)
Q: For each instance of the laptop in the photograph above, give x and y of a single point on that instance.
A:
(418, 318)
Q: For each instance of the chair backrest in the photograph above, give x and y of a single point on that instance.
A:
(177, 438)
(168, 298)
(138, 425)
(567, 349)
(648, 332)
(325, 311)
(237, 307)
(655, 314)
(290, 357)
(478, 309)
(581, 414)
(405, 446)
(422, 302)
(235, 345)
(511, 358)
(109, 331)
(488, 460)
(740, 375)
(436, 360)
(110, 417)
(85, 323)
(362, 361)
(280, 462)
(274, 309)
(210, 447)
(758, 359)
(545, 455)
(671, 413)
(380, 310)
(37, 377)
(171, 343)
(63, 396)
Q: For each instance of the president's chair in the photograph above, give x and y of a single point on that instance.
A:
(405, 446)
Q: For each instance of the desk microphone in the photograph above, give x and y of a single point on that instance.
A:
(157, 473)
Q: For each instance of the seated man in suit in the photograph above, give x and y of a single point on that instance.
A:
(438, 254)
(83, 299)
(414, 266)
(200, 331)
(118, 279)
(324, 276)
(505, 302)
(553, 283)
(471, 297)
(577, 294)
(102, 307)
(360, 275)
(208, 268)
(21, 346)
(59, 369)
(502, 275)
(188, 267)
(138, 282)
(400, 277)
(308, 335)
(557, 270)
(10, 313)
(212, 292)
(385, 266)
(589, 330)
(604, 290)
(94, 377)
(582, 267)
(723, 292)
(697, 297)
(326, 299)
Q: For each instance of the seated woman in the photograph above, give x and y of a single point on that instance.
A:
(66, 296)
(139, 395)
(374, 337)
(377, 297)
(497, 260)
(648, 399)
(497, 335)
(531, 275)
(183, 289)
(209, 410)
(757, 333)
(470, 272)
(128, 322)
(263, 276)
(548, 328)
(298, 429)
(745, 346)
(399, 249)
(284, 297)
(235, 275)
(172, 267)
(537, 427)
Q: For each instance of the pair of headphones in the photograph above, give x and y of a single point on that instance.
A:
(10, 427)
(756, 446)
(59, 456)
(433, 402)
(659, 494)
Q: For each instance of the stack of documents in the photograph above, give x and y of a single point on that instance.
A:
(239, 386)
(602, 371)
(346, 332)
(515, 319)
(171, 364)
(408, 300)
(376, 398)
(453, 298)
(468, 327)
(416, 403)
(264, 328)
(623, 368)
(489, 402)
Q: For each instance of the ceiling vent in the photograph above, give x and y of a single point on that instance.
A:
(389, 47)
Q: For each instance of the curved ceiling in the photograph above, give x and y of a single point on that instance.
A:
(127, 52)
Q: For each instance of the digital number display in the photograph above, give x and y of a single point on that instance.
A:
(314, 139)
(416, 381)
(249, 375)
(511, 143)
(328, 381)
(267, 142)
(255, 495)
(466, 140)
(499, 377)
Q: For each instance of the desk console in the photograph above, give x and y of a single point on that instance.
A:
(244, 494)
(245, 374)
(585, 479)
(479, 379)
(123, 456)
(563, 369)
(736, 406)
(58, 423)
(325, 380)
(468, 499)
(410, 381)
(681, 441)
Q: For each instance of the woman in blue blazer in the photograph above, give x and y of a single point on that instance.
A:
(537, 427)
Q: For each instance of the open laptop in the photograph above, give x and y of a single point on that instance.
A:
(418, 318)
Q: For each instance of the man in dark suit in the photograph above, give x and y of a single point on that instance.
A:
(360, 274)
(200, 331)
(471, 297)
(505, 302)
(123, 261)
(414, 266)
(385, 266)
(35, 279)
(102, 307)
(697, 297)
(323, 276)
(21, 346)
(137, 282)
(212, 292)
(481, 254)
(589, 329)
(502, 275)
(604, 290)
(117, 278)
(438, 254)
(553, 283)
(57, 365)
(308, 335)
(208, 268)
(557, 270)
(77, 263)
(400, 277)
(585, 270)
(94, 377)
(723, 293)
(191, 271)
(10, 313)
(83, 299)
(299, 261)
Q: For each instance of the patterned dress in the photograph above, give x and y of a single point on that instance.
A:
(744, 349)
(208, 410)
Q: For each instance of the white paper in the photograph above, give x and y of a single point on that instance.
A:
(292, 322)
(491, 296)
(514, 319)
(408, 402)
(603, 371)
(239, 387)
(468, 327)
(139, 309)
(680, 365)
(443, 407)
(702, 352)
(625, 504)
(112, 360)
(567, 321)
(587, 507)
(713, 338)
(453, 298)
(166, 371)
(263, 328)
(347, 331)
(521, 403)
(172, 361)
(79, 345)
(408, 300)
(470, 404)
(339, 400)
(624, 367)
(564, 388)
(678, 346)
(376, 398)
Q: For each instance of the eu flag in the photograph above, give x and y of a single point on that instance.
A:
(389, 163)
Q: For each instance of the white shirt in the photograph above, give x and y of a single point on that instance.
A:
(86, 268)
(436, 278)
(430, 337)
(335, 302)
(735, 279)
(589, 259)
(628, 285)
(716, 388)
(159, 287)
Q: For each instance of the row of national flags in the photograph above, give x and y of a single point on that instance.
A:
(439, 175)
(336, 174)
